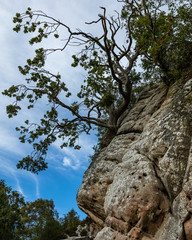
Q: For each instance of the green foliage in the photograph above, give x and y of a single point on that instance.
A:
(36, 217)
(70, 222)
(98, 88)
(52, 230)
(162, 29)
(38, 220)
(10, 213)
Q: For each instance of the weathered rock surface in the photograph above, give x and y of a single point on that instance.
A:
(140, 186)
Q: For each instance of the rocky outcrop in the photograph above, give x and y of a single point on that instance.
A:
(140, 186)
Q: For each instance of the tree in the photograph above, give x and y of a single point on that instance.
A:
(36, 216)
(10, 213)
(112, 77)
(70, 222)
(52, 230)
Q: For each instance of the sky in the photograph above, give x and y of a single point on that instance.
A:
(62, 179)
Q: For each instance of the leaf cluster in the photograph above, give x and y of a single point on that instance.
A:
(43, 29)
(98, 88)
(163, 31)
(11, 203)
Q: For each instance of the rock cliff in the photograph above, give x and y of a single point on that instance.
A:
(140, 185)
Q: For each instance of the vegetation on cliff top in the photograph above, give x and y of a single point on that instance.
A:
(158, 33)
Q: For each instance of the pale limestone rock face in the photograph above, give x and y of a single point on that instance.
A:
(140, 186)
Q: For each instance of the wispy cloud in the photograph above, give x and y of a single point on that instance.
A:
(35, 178)
(9, 170)
(71, 163)
(19, 188)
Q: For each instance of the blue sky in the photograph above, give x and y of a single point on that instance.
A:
(66, 167)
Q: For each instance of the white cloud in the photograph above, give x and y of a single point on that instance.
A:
(73, 163)
(67, 162)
